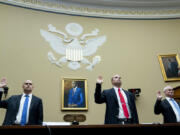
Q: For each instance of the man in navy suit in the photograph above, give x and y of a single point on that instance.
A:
(169, 108)
(25, 109)
(75, 96)
(120, 104)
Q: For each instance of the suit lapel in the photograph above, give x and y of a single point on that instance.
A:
(18, 102)
(32, 104)
(168, 104)
(114, 96)
(128, 97)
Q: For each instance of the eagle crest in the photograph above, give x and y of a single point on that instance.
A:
(73, 48)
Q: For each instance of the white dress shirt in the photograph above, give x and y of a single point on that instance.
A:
(74, 89)
(19, 114)
(121, 113)
(1, 89)
(174, 109)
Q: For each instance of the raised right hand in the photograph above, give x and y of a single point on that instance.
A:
(3, 82)
(159, 96)
(99, 80)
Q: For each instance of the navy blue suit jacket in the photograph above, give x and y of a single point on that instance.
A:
(112, 107)
(76, 98)
(12, 105)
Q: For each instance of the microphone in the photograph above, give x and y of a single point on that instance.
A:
(5, 91)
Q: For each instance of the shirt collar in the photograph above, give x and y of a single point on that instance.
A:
(116, 88)
(30, 95)
(168, 98)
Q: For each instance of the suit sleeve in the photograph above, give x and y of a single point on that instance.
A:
(70, 98)
(40, 113)
(99, 96)
(1, 93)
(158, 107)
(135, 114)
(80, 103)
(3, 103)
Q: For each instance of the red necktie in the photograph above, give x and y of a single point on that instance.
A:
(125, 110)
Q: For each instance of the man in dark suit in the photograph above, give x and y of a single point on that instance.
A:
(25, 109)
(169, 108)
(120, 104)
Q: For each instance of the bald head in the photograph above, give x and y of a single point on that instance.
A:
(116, 80)
(28, 86)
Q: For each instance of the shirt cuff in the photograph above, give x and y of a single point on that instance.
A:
(1, 89)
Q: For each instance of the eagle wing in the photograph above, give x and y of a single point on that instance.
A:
(55, 42)
(92, 45)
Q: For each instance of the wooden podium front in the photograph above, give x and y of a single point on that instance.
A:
(79, 129)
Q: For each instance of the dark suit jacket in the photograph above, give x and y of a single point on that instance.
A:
(12, 105)
(165, 108)
(112, 107)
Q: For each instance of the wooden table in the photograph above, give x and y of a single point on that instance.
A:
(82, 129)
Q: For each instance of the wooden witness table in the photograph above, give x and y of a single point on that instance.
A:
(56, 130)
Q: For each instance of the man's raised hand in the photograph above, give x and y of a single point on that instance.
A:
(99, 80)
(3, 82)
(159, 96)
